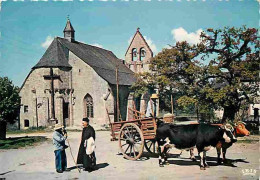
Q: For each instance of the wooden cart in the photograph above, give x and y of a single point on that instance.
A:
(135, 134)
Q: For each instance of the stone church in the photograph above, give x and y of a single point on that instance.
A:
(73, 80)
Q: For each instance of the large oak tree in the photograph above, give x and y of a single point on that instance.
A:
(222, 71)
(232, 73)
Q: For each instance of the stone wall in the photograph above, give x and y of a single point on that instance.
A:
(70, 89)
(34, 86)
(36, 95)
(86, 81)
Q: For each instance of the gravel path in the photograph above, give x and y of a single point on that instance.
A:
(38, 162)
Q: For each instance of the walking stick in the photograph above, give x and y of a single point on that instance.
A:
(72, 154)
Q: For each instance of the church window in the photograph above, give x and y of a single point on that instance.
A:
(134, 54)
(89, 106)
(26, 123)
(25, 110)
(142, 54)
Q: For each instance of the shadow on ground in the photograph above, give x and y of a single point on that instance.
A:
(212, 161)
(97, 167)
(146, 156)
(102, 165)
(6, 172)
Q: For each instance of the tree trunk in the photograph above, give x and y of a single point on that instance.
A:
(229, 113)
(2, 130)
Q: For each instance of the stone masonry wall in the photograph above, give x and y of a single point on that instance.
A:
(138, 66)
(36, 95)
(86, 81)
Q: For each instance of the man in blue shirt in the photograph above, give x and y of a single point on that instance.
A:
(59, 144)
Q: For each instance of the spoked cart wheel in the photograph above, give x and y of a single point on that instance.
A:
(131, 141)
(150, 146)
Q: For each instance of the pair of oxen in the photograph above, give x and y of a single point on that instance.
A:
(202, 136)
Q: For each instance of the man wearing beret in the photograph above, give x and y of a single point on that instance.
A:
(59, 144)
(86, 155)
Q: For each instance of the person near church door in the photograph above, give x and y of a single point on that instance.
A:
(151, 106)
(86, 154)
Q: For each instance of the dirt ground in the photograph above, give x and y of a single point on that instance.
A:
(38, 162)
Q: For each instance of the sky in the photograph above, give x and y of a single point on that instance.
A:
(27, 28)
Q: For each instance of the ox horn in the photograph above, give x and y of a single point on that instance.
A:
(230, 127)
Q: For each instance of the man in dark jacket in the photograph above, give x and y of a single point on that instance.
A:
(88, 159)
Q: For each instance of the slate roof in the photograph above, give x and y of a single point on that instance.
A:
(68, 27)
(54, 56)
(104, 62)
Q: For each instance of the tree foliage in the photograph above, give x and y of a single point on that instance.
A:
(9, 100)
(222, 71)
(232, 77)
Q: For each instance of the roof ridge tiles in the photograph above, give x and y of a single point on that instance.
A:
(86, 44)
(103, 61)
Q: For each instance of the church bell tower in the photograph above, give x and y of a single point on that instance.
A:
(138, 54)
(69, 32)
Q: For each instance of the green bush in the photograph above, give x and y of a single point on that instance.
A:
(18, 142)
(29, 130)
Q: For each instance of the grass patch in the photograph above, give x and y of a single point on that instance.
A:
(248, 141)
(80, 130)
(73, 130)
(103, 129)
(29, 130)
(19, 142)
